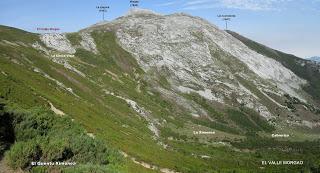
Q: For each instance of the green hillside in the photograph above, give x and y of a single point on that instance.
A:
(303, 68)
(49, 112)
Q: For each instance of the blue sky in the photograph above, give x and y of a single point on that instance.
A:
(292, 26)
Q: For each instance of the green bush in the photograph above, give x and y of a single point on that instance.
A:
(43, 136)
(22, 154)
(56, 149)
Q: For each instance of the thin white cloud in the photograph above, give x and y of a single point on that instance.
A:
(254, 5)
(201, 6)
(196, 2)
(167, 4)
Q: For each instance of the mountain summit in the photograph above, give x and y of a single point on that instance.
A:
(140, 11)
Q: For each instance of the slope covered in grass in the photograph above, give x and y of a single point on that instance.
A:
(100, 102)
(303, 68)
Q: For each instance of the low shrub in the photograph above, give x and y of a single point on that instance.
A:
(42, 136)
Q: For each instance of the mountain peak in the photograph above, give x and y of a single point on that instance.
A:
(140, 11)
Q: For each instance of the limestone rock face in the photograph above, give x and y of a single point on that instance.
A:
(58, 42)
(198, 57)
(195, 57)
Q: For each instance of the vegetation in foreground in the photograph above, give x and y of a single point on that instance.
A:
(38, 135)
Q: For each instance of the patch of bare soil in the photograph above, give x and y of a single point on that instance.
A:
(4, 168)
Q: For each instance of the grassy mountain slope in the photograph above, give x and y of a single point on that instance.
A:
(303, 68)
(31, 83)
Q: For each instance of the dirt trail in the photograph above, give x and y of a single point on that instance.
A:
(147, 165)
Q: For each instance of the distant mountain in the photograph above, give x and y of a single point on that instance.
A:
(315, 58)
